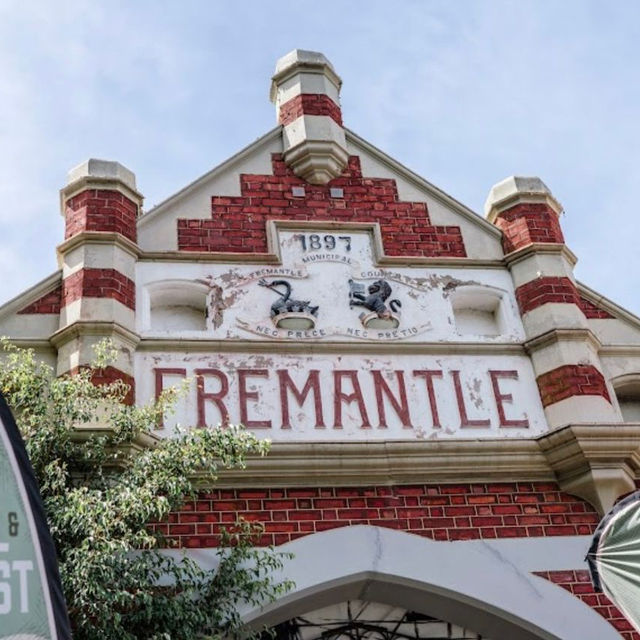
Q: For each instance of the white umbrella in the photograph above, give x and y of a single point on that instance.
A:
(614, 557)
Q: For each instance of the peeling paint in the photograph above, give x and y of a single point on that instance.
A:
(367, 406)
(475, 393)
(451, 284)
(217, 305)
(356, 394)
(240, 310)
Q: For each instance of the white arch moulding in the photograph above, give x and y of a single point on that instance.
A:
(626, 389)
(470, 584)
(179, 304)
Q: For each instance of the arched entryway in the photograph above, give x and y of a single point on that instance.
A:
(470, 585)
(358, 620)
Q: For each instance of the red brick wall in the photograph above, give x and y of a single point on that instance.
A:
(310, 104)
(101, 210)
(571, 380)
(48, 303)
(238, 223)
(439, 512)
(579, 584)
(534, 294)
(546, 289)
(99, 283)
(592, 310)
(526, 223)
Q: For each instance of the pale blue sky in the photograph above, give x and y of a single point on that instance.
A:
(464, 93)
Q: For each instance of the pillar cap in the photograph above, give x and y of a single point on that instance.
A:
(302, 61)
(516, 190)
(109, 169)
(100, 174)
(305, 90)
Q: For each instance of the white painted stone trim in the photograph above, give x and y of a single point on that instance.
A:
(97, 309)
(295, 73)
(108, 169)
(75, 343)
(549, 316)
(487, 587)
(541, 265)
(581, 409)
(541, 248)
(98, 256)
(558, 348)
(305, 82)
(94, 238)
(87, 183)
(314, 128)
(516, 190)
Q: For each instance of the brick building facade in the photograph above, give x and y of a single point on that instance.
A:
(451, 411)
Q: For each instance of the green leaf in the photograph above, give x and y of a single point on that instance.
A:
(102, 492)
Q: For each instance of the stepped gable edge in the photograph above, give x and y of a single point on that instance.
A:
(238, 223)
(47, 303)
(593, 311)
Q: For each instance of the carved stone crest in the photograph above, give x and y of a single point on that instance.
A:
(287, 312)
(381, 316)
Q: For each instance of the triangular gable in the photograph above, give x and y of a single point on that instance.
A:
(604, 313)
(35, 312)
(254, 186)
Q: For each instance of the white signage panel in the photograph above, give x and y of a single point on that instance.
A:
(329, 397)
(328, 288)
(327, 319)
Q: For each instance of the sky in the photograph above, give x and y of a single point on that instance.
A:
(464, 93)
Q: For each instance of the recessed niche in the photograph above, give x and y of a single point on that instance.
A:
(178, 306)
(477, 312)
(628, 395)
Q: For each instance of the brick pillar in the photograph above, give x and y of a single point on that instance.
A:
(563, 349)
(100, 205)
(306, 92)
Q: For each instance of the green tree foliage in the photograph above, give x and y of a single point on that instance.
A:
(103, 479)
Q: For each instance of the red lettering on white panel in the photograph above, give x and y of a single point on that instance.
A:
(501, 398)
(401, 407)
(340, 396)
(312, 384)
(216, 397)
(159, 384)
(429, 375)
(244, 395)
(462, 409)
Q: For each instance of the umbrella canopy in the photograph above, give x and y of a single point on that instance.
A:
(614, 557)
